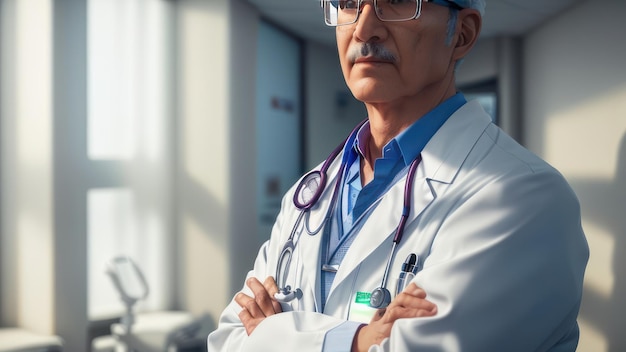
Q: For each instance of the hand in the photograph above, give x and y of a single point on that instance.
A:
(262, 305)
(411, 303)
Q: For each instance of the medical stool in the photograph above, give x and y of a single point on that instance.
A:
(161, 331)
(158, 331)
(21, 340)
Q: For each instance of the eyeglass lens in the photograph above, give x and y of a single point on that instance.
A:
(341, 12)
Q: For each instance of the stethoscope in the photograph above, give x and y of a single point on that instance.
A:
(306, 195)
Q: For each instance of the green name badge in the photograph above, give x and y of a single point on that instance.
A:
(363, 298)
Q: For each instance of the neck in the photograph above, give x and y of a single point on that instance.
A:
(389, 120)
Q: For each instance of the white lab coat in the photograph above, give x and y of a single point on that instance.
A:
(499, 238)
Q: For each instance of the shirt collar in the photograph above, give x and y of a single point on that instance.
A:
(410, 142)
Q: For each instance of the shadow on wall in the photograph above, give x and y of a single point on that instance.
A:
(605, 208)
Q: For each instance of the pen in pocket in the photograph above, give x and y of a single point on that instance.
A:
(409, 267)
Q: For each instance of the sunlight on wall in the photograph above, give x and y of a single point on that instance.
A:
(591, 339)
(575, 118)
(600, 276)
(203, 179)
(33, 169)
(584, 139)
(584, 144)
(204, 96)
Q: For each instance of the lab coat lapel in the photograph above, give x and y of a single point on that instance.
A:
(441, 161)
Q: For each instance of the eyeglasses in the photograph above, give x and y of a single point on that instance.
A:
(343, 12)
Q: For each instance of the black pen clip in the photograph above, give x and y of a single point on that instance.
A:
(410, 263)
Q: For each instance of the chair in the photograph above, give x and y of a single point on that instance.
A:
(21, 340)
(147, 332)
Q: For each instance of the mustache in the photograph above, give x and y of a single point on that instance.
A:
(375, 50)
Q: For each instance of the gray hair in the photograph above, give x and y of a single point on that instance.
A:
(468, 4)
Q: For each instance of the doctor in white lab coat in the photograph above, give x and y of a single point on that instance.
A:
(497, 232)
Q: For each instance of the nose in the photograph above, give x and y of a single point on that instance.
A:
(368, 26)
(371, 8)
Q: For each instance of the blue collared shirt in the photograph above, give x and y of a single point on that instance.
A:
(355, 200)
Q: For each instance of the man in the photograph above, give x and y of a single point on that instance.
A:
(429, 187)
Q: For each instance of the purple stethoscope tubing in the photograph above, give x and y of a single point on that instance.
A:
(322, 173)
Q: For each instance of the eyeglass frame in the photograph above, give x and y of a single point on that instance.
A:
(418, 10)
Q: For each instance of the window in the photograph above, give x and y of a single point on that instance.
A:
(128, 145)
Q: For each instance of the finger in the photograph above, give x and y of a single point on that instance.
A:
(413, 302)
(242, 299)
(277, 307)
(270, 286)
(272, 289)
(261, 296)
(409, 295)
(250, 305)
(398, 312)
(415, 290)
(248, 321)
(245, 316)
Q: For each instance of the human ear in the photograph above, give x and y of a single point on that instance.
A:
(469, 23)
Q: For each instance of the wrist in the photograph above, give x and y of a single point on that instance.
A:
(358, 342)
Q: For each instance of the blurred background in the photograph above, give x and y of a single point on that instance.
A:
(156, 129)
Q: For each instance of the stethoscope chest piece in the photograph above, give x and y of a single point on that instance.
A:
(309, 190)
(380, 298)
(286, 294)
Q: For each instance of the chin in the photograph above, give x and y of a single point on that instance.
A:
(374, 96)
(372, 91)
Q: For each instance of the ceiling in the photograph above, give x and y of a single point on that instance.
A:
(502, 17)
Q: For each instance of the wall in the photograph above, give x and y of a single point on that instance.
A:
(328, 120)
(481, 63)
(43, 118)
(27, 235)
(278, 121)
(575, 118)
(497, 58)
(215, 181)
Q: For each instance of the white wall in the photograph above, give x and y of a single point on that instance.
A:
(27, 188)
(44, 81)
(215, 185)
(575, 118)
